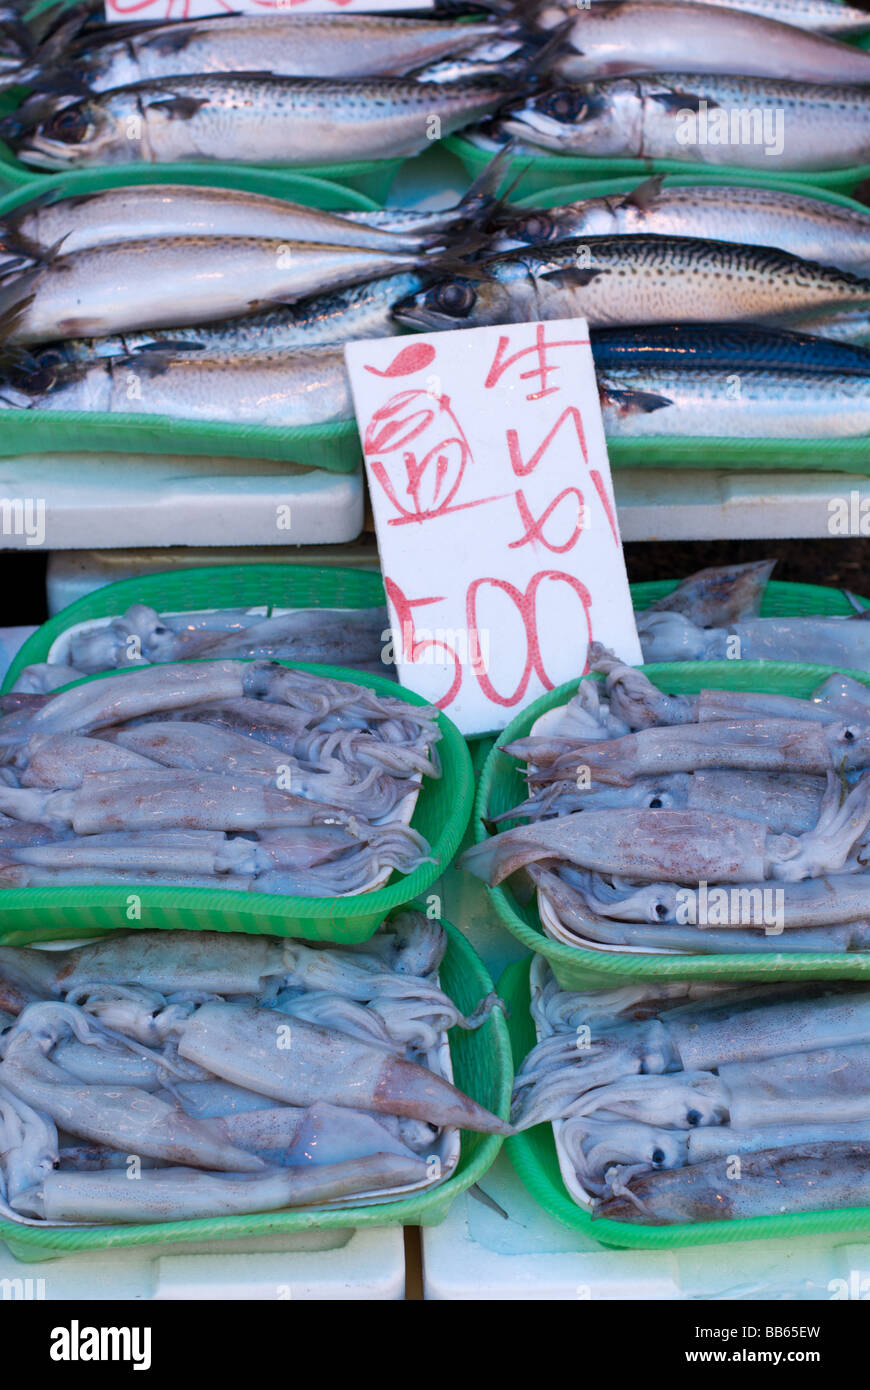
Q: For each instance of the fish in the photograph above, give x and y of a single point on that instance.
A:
(817, 16)
(811, 227)
(177, 280)
(761, 124)
(356, 311)
(283, 389)
(286, 45)
(249, 118)
(647, 401)
(726, 347)
(640, 279)
(617, 37)
(134, 212)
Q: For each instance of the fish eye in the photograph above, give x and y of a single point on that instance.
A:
(563, 106)
(539, 228)
(658, 1157)
(693, 1118)
(69, 125)
(455, 298)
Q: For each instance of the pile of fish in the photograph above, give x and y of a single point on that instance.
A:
(218, 305)
(163, 1076)
(767, 85)
(677, 1104)
(728, 821)
(266, 89)
(226, 774)
(353, 637)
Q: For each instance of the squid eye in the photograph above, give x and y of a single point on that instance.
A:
(69, 126)
(850, 736)
(455, 298)
(693, 1118)
(661, 911)
(658, 1157)
(656, 803)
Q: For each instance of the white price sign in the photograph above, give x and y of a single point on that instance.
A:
(494, 510)
(129, 11)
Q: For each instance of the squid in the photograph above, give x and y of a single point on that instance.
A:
(28, 1145)
(762, 744)
(682, 845)
(62, 761)
(720, 595)
(690, 1040)
(633, 698)
(803, 1177)
(826, 641)
(124, 1117)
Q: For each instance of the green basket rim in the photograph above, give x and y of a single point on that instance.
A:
(710, 675)
(471, 154)
(411, 1210)
(533, 1155)
(271, 578)
(281, 910)
(73, 183)
(601, 188)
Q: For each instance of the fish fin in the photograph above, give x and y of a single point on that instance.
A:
(676, 101)
(12, 309)
(645, 194)
(179, 108)
(631, 402)
(571, 276)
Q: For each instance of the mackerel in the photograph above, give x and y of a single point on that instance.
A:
(814, 228)
(775, 126)
(617, 37)
(175, 280)
(641, 280)
(250, 118)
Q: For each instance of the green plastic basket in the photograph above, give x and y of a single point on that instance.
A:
(533, 1154)
(502, 786)
(333, 446)
(538, 171)
(441, 815)
(213, 586)
(482, 1069)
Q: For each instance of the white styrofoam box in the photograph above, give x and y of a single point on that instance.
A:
(74, 573)
(108, 500)
(342, 1264)
(663, 504)
(476, 1253)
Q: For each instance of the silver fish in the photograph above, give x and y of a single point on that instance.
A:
(817, 16)
(616, 37)
(757, 123)
(642, 279)
(176, 280)
(134, 212)
(645, 402)
(252, 119)
(289, 390)
(286, 45)
(813, 228)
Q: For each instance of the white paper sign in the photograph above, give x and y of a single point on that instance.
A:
(494, 510)
(129, 11)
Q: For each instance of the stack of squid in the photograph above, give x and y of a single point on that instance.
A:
(679, 1104)
(225, 774)
(727, 821)
(162, 1076)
